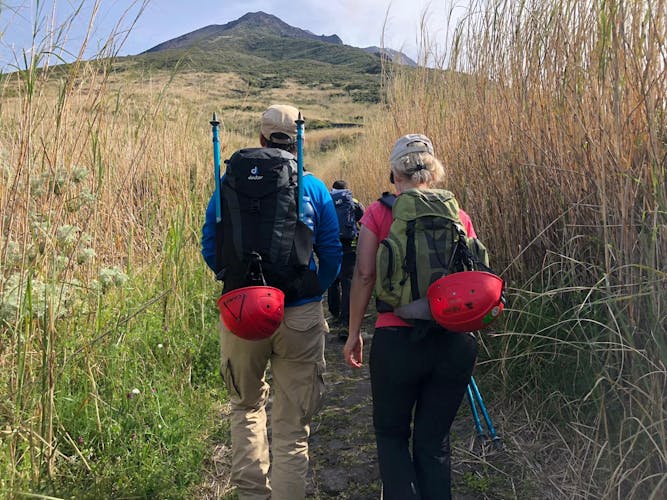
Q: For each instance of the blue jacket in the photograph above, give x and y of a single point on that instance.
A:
(319, 214)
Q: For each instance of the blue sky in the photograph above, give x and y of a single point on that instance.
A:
(358, 22)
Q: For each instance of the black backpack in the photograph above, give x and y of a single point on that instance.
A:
(347, 223)
(260, 225)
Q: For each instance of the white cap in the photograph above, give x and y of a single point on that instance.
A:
(411, 143)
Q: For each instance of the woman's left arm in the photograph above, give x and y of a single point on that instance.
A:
(363, 281)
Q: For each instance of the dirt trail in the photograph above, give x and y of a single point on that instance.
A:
(342, 445)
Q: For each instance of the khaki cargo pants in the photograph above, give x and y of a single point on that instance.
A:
(295, 354)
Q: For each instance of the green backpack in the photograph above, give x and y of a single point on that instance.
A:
(426, 241)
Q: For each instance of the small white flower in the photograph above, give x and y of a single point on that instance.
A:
(79, 174)
(112, 276)
(67, 235)
(136, 391)
(160, 346)
(85, 255)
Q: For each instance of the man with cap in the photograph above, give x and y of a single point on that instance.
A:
(294, 353)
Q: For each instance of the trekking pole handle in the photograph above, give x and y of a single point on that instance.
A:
(299, 164)
(216, 165)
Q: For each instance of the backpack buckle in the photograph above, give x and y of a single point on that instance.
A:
(254, 274)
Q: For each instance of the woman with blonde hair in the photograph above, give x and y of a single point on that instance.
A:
(418, 381)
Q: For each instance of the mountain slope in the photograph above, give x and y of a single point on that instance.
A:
(263, 36)
(254, 23)
(392, 55)
(267, 52)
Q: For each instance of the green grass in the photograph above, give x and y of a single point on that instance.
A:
(133, 406)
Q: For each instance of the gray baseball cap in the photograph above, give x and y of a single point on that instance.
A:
(411, 143)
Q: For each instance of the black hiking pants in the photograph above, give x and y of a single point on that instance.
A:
(418, 382)
(338, 295)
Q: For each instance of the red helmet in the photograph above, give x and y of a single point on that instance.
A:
(466, 301)
(252, 312)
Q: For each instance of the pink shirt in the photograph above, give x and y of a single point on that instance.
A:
(378, 219)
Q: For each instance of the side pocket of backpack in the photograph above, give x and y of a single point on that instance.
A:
(389, 273)
(478, 250)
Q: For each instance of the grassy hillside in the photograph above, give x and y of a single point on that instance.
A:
(267, 53)
(267, 75)
(360, 79)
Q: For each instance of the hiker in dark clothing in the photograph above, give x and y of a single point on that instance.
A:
(349, 211)
(418, 378)
(275, 466)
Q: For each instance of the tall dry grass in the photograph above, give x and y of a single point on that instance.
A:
(550, 119)
(101, 184)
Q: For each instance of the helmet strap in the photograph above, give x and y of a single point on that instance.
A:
(254, 274)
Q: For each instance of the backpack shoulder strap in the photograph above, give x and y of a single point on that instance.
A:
(387, 199)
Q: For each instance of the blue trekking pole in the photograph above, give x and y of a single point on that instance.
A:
(216, 165)
(475, 415)
(498, 443)
(299, 164)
